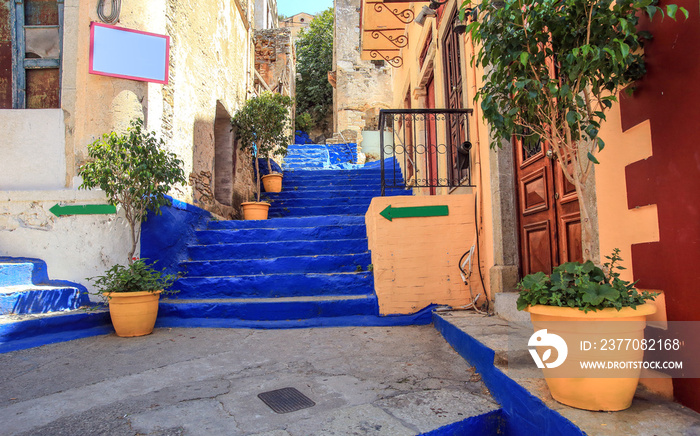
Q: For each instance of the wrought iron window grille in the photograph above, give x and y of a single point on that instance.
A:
(430, 146)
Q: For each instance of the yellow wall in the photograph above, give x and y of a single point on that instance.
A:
(416, 260)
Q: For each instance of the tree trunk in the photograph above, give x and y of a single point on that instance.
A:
(587, 235)
(257, 171)
(134, 240)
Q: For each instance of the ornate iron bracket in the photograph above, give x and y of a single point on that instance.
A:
(395, 61)
(406, 16)
(400, 41)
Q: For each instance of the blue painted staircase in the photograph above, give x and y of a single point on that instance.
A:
(35, 310)
(308, 265)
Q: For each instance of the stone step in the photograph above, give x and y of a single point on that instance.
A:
(32, 299)
(235, 236)
(331, 220)
(270, 309)
(16, 272)
(319, 198)
(359, 208)
(275, 285)
(18, 332)
(278, 265)
(265, 250)
(331, 195)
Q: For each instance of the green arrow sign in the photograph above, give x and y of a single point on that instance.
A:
(85, 209)
(418, 211)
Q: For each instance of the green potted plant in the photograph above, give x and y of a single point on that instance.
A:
(576, 302)
(132, 293)
(136, 173)
(262, 127)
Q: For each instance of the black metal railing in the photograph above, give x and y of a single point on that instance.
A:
(430, 146)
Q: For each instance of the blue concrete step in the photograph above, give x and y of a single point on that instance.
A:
(358, 208)
(328, 195)
(291, 264)
(260, 250)
(268, 309)
(312, 221)
(25, 288)
(32, 299)
(16, 272)
(274, 285)
(244, 235)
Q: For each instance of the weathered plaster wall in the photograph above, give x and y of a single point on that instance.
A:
(37, 161)
(362, 87)
(74, 247)
(415, 260)
(210, 67)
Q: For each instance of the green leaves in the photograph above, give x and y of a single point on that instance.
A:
(314, 94)
(134, 171)
(582, 285)
(135, 277)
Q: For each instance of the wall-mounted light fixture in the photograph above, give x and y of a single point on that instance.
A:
(428, 11)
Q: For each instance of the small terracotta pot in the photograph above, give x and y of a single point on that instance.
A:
(574, 326)
(272, 182)
(253, 210)
(133, 313)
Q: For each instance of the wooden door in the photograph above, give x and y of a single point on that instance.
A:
(550, 224)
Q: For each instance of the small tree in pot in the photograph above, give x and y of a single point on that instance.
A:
(136, 173)
(262, 126)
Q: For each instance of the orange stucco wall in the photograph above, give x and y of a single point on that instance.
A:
(415, 260)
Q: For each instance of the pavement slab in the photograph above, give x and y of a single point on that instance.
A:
(183, 381)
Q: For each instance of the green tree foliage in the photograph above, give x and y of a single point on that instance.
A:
(133, 171)
(314, 94)
(262, 127)
(553, 69)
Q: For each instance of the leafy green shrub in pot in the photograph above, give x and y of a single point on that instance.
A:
(134, 171)
(138, 276)
(582, 285)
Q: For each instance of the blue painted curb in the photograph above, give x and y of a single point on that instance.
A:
(310, 221)
(526, 414)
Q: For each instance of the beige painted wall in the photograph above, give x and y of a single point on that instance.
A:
(36, 161)
(415, 260)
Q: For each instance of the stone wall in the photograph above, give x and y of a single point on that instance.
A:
(362, 87)
(275, 60)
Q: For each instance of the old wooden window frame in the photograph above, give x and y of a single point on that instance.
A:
(20, 63)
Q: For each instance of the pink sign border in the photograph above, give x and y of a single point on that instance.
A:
(120, 76)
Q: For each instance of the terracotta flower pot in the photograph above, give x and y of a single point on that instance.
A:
(133, 313)
(272, 182)
(597, 328)
(252, 210)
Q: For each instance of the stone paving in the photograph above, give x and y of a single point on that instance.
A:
(364, 381)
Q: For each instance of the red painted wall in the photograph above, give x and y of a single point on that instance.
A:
(669, 97)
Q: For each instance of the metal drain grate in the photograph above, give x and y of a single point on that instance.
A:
(286, 400)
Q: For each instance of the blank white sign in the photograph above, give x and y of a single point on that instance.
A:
(129, 54)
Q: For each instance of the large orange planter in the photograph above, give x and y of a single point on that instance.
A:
(252, 210)
(272, 182)
(133, 313)
(575, 326)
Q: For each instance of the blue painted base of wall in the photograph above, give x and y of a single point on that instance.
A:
(164, 237)
(492, 423)
(525, 414)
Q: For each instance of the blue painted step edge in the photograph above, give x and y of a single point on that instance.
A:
(257, 250)
(282, 234)
(279, 265)
(526, 414)
(42, 330)
(29, 271)
(29, 300)
(492, 423)
(274, 286)
(331, 220)
(422, 317)
(269, 309)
